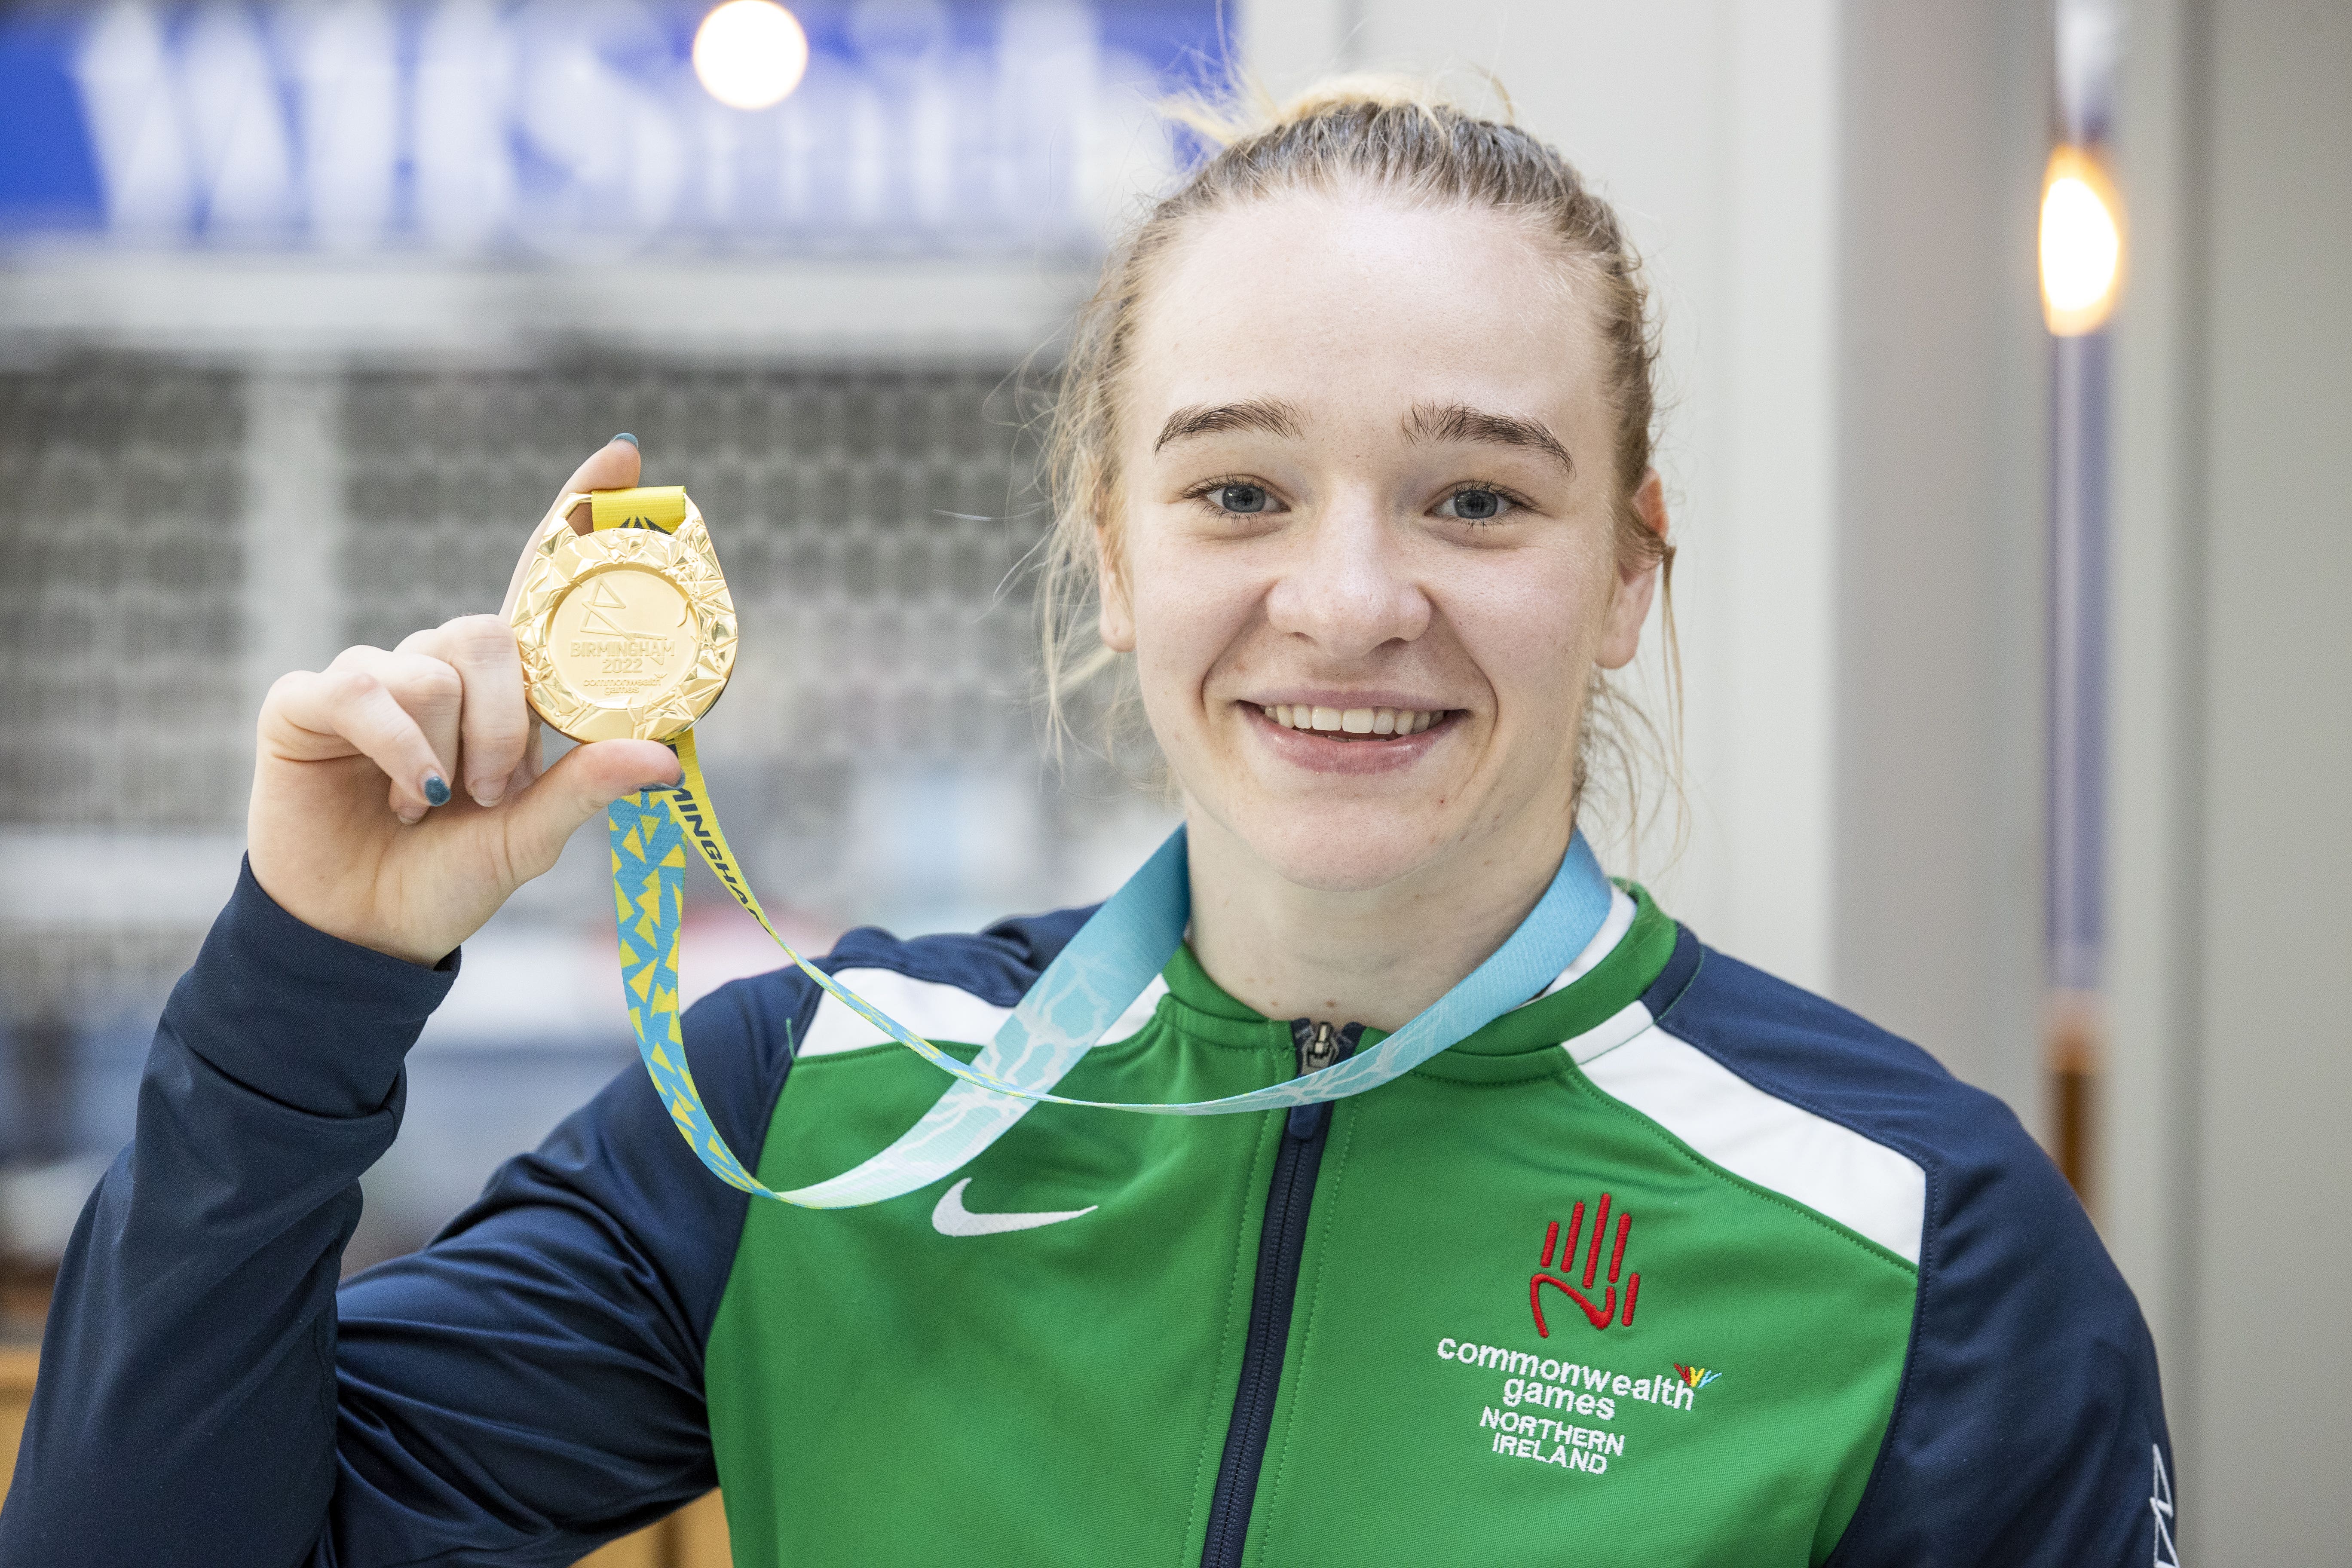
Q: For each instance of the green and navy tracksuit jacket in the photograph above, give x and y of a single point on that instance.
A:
(1674, 1264)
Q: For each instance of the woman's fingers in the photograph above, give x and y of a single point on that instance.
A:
(494, 721)
(432, 692)
(530, 768)
(353, 709)
(582, 784)
(612, 466)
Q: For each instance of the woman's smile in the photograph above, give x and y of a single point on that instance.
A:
(1346, 720)
(1362, 739)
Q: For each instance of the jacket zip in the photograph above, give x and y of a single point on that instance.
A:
(1281, 1241)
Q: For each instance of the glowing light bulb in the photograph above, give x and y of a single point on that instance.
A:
(2082, 244)
(750, 54)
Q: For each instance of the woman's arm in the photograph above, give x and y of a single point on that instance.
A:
(528, 1385)
(185, 1406)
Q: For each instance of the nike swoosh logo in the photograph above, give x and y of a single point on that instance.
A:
(951, 1218)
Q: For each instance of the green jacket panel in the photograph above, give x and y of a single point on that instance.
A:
(883, 1391)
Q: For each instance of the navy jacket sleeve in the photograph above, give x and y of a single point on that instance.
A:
(2028, 1429)
(525, 1388)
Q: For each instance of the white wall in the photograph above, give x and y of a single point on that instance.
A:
(2233, 859)
(1942, 549)
(1712, 126)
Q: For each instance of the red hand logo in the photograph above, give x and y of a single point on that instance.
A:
(1597, 1316)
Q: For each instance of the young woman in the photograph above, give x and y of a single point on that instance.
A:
(1668, 1263)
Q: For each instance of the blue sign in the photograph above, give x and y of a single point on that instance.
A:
(559, 127)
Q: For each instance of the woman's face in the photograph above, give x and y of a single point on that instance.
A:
(1365, 454)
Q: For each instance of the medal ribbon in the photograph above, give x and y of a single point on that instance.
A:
(1105, 966)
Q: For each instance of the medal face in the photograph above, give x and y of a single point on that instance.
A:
(625, 632)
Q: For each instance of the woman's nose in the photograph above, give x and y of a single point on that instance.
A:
(1346, 589)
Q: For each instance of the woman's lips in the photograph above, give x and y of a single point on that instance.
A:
(1340, 749)
(1338, 720)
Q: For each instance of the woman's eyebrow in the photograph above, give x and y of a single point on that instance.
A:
(1270, 414)
(1459, 422)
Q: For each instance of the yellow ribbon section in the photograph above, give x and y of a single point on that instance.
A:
(689, 808)
(690, 804)
(653, 506)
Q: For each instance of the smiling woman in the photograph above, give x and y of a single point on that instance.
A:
(1353, 468)
(1321, 456)
(1475, 255)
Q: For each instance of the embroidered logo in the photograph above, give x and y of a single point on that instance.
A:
(2159, 1503)
(950, 1217)
(1598, 1316)
(1696, 1376)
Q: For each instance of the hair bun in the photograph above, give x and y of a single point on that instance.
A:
(1252, 111)
(1364, 89)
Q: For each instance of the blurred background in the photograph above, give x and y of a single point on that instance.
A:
(2007, 423)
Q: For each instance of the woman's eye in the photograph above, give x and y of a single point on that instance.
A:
(1239, 497)
(1474, 505)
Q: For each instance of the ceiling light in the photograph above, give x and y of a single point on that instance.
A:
(750, 54)
(2082, 244)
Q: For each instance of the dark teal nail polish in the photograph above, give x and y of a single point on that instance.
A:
(632, 440)
(436, 790)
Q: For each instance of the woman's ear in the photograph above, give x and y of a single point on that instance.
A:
(1637, 584)
(1117, 620)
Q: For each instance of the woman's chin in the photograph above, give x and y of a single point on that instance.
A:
(1348, 851)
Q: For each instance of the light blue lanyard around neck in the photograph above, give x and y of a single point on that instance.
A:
(1122, 947)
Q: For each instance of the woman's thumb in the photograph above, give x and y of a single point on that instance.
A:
(578, 787)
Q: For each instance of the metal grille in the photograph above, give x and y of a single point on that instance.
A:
(123, 705)
(123, 708)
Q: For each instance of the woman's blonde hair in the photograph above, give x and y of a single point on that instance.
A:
(1404, 141)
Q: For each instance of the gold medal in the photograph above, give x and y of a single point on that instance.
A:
(626, 632)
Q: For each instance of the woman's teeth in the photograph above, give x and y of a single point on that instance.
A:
(1353, 720)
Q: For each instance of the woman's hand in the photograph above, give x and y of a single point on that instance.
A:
(397, 798)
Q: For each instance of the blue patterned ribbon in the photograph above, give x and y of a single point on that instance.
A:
(1082, 993)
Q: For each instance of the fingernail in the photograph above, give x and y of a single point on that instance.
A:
(489, 795)
(409, 818)
(632, 440)
(436, 790)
